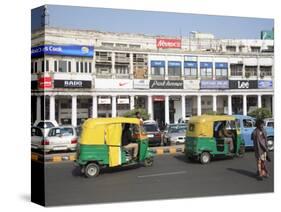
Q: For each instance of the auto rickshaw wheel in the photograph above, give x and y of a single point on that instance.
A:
(205, 157)
(92, 170)
(148, 162)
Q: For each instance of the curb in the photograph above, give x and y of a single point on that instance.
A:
(169, 150)
(52, 158)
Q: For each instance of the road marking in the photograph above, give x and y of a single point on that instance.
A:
(162, 174)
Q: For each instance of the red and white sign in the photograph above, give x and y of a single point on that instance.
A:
(45, 82)
(164, 43)
(158, 98)
(114, 84)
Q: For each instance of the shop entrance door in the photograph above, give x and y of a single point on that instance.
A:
(159, 110)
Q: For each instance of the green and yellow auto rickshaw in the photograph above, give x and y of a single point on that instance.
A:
(210, 136)
(100, 145)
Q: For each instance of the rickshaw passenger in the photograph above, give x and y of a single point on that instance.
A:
(127, 141)
(226, 135)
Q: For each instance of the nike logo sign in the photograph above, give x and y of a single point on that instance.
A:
(122, 83)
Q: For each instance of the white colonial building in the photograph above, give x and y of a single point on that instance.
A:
(78, 74)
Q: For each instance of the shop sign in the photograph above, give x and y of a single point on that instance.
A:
(265, 84)
(65, 50)
(45, 82)
(104, 101)
(164, 43)
(72, 84)
(166, 84)
(192, 84)
(114, 83)
(243, 84)
(214, 84)
(158, 98)
(141, 84)
(157, 63)
(123, 101)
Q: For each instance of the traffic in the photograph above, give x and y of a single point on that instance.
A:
(118, 142)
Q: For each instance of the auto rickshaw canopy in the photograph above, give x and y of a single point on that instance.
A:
(203, 126)
(104, 130)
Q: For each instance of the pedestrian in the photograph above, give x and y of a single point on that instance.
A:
(127, 141)
(138, 115)
(261, 150)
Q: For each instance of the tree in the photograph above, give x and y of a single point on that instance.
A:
(261, 113)
(132, 113)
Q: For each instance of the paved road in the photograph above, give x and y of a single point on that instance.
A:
(170, 177)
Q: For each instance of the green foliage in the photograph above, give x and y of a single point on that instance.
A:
(261, 113)
(132, 113)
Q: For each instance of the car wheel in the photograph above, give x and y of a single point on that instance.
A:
(148, 162)
(270, 143)
(205, 158)
(92, 170)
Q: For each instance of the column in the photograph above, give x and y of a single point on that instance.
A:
(229, 105)
(113, 114)
(244, 105)
(215, 103)
(166, 69)
(38, 108)
(150, 106)
(199, 105)
(94, 106)
(113, 65)
(74, 111)
(183, 106)
(132, 102)
(259, 101)
(167, 110)
(52, 107)
(131, 66)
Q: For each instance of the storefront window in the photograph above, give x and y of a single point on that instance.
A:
(221, 73)
(158, 71)
(190, 72)
(206, 70)
(266, 70)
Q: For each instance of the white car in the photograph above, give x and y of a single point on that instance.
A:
(36, 137)
(60, 138)
(45, 125)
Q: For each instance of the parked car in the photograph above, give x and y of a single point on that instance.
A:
(269, 122)
(37, 138)
(45, 125)
(174, 133)
(58, 138)
(153, 133)
(247, 126)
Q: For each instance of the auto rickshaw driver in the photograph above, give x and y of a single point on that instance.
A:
(127, 141)
(226, 135)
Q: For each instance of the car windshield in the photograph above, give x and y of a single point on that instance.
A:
(270, 124)
(66, 131)
(150, 128)
(177, 130)
(45, 125)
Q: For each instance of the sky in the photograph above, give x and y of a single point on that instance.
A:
(151, 23)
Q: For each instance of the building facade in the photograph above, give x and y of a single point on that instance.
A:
(78, 74)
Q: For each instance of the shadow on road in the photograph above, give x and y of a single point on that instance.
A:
(244, 172)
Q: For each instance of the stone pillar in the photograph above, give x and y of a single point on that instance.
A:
(74, 111)
(229, 105)
(113, 114)
(215, 103)
(199, 105)
(52, 107)
(150, 106)
(183, 106)
(113, 71)
(245, 105)
(132, 102)
(94, 106)
(167, 110)
(38, 108)
(259, 101)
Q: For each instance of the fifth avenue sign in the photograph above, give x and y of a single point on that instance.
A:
(166, 84)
